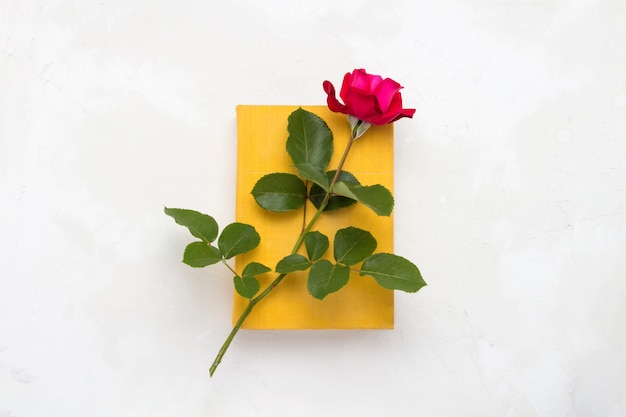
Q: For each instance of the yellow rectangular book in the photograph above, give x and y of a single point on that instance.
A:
(362, 303)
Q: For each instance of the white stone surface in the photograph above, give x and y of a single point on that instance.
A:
(511, 197)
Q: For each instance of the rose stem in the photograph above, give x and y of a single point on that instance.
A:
(297, 245)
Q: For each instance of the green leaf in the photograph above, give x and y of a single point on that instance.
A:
(279, 192)
(393, 272)
(310, 140)
(326, 277)
(199, 254)
(376, 197)
(254, 269)
(313, 173)
(237, 238)
(292, 263)
(316, 245)
(336, 202)
(247, 287)
(352, 245)
(200, 225)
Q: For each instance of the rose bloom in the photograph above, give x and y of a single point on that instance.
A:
(368, 97)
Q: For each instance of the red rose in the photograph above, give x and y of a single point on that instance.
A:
(368, 97)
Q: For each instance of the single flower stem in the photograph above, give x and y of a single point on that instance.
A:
(240, 321)
(341, 162)
(254, 301)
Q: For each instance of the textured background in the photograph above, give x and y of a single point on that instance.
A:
(510, 187)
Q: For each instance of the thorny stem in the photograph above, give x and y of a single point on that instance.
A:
(254, 301)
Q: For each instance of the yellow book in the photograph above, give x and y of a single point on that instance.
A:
(362, 303)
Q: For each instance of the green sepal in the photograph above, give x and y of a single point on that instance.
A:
(237, 238)
(247, 286)
(336, 202)
(393, 272)
(326, 277)
(310, 140)
(292, 263)
(199, 255)
(279, 192)
(376, 197)
(200, 225)
(352, 245)
(316, 245)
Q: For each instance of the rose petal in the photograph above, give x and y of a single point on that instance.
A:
(333, 103)
(385, 93)
(345, 85)
(359, 79)
(392, 117)
(360, 104)
(374, 81)
(405, 113)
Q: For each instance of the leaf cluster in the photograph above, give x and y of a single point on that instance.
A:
(310, 146)
(235, 239)
(351, 246)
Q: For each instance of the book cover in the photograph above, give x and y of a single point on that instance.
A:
(362, 303)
